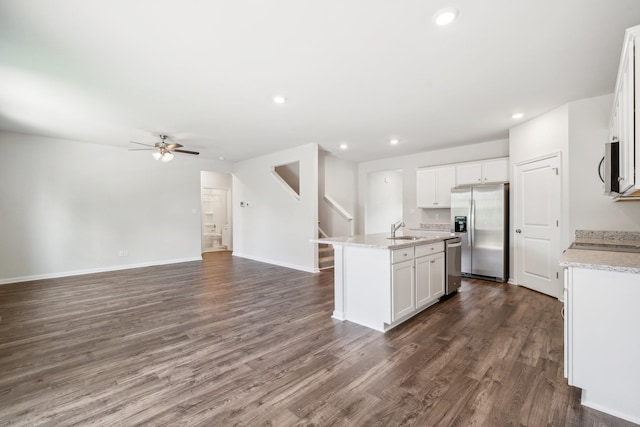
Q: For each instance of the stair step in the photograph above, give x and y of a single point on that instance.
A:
(325, 250)
(325, 262)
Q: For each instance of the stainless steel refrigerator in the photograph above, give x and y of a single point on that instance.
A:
(480, 214)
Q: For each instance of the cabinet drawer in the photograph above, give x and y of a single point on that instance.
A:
(433, 248)
(399, 255)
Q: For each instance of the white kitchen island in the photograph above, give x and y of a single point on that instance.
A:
(602, 329)
(381, 282)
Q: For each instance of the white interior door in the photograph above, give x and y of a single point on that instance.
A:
(537, 225)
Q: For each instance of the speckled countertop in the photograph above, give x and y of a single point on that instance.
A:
(604, 259)
(382, 240)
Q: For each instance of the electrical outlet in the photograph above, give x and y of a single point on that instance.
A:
(437, 216)
(121, 252)
(126, 252)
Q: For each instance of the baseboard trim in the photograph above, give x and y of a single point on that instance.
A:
(95, 270)
(603, 408)
(278, 263)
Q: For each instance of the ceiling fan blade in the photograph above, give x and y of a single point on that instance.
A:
(186, 152)
(142, 149)
(172, 147)
(140, 143)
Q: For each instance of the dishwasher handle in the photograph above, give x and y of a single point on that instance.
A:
(454, 245)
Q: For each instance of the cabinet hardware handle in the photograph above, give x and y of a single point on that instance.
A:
(433, 261)
(518, 230)
(620, 178)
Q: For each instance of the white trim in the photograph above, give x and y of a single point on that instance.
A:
(95, 270)
(342, 211)
(284, 184)
(602, 408)
(543, 157)
(278, 263)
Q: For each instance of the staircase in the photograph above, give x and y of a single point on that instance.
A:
(325, 256)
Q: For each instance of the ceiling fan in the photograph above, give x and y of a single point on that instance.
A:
(163, 150)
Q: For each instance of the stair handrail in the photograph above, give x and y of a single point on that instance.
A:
(321, 231)
(342, 211)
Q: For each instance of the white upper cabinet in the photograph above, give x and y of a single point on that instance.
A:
(624, 122)
(469, 173)
(433, 187)
(495, 170)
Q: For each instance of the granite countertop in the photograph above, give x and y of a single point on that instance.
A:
(609, 257)
(382, 240)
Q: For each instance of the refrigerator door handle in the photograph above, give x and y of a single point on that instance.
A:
(469, 223)
(472, 222)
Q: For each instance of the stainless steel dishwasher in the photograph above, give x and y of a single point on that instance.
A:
(453, 254)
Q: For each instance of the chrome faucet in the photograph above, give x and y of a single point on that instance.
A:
(395, 227)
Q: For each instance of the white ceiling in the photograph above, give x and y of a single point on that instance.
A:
(354, 71)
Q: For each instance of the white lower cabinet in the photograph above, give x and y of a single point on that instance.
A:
(404, 295)
(602, 349)
(436, 275)
(429, 278)
(380, 287)
(417, 282)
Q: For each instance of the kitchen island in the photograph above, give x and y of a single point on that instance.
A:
(601, 348)
(381, 281)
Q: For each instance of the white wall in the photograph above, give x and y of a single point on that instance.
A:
(577, 131)
(70, 207)
(276, 227)
(589, 208)
(337, 178)
(545, 135)
(213, 179)
(384, 201)
(413, 215)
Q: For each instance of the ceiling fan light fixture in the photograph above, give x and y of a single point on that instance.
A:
(156, 155)
(167, 157)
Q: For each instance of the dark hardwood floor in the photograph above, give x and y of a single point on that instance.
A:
(229, 341)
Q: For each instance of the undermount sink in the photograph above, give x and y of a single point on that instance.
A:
(405, 238)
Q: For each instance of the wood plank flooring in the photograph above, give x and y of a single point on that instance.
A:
(230, 341)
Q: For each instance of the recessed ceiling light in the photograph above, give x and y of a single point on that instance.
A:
(278, 99)
(343, 146)
(517, 116)
(221, 157)
(394, 142)
(445, 16)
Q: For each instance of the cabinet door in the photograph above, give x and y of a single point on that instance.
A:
(436, 275)
(495, 170)
(445, 181)
(626, 122)
(423, 275)
(402, 290)
(426, 188)
(469, 173)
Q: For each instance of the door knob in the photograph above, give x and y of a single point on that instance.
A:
(518, 230)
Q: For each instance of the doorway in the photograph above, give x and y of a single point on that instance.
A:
(215, 208)
(215, 224)
(383, 205)
(537, 187)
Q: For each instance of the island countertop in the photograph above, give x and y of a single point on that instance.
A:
(384, 240)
